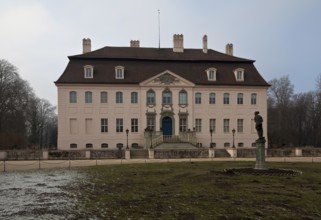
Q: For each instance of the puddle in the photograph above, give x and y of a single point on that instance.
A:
(37, 195)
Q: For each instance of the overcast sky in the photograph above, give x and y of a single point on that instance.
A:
(283, 36)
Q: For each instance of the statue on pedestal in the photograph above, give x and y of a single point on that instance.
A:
(258, 125)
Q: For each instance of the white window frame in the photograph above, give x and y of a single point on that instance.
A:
(88, 72)
(240, 125)
(226, 98)
(119, 72)
(239, 74)
(103, 97)
(212, 98)
(198, 98)
(212, 124)
(133, 97)
(182, 99)
(198, 125)
(226, 125)
(88, 97)
(253, 98)
(104, 125)
(211, 74)
(134, 125)
(240, 98)
(119, 97)
(119, 125)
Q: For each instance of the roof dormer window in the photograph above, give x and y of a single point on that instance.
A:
(211, 74)
(89, 71)
(119, 72)
(239, 74)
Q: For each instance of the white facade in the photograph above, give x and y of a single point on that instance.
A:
(80, 123)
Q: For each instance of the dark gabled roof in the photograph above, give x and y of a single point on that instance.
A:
(143, 63)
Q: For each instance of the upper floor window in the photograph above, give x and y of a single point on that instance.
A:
(211, 74)
(198, 98)
(103, 97)
(239, 74)
(253, 98)
(226, 98)
(73, 97)
(89, 71)
(119, 97)
(150, 97)
(183, 97)
(212, 98)
(167, 97)
(88, 97)
(119, 72)
(226, 125)
(240, 98)
(134, 97)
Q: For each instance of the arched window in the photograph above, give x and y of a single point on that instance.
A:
(183, 97)
(150, 97)
(103, 97)
(73, 97)
(119, 72)
(198, 98)
(226, 98)
(211, 74)
(134, 97)
(167, 97)
(119, 97)
(239, 74)
(88, 97)
(212, 98)
(240, 98)
(253, 98)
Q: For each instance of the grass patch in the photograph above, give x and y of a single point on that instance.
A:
(197, 190)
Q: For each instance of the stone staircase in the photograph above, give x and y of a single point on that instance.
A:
(175, 146)
(221, 153)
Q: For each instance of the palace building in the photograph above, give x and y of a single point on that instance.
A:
(145, 97)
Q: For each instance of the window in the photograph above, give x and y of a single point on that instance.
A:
(89, 145)
(134, 125)
(119, 97)
(134, 97)
(104, 125)
(103, 97)
(88, 97)
(88, 71)
(226, 126)
(226, 98)
(73, 145)
(212, 124)
(211, 74)
(151, 122)
(72, 97)
(119, 125)
(239, 74)
(226, 144)
(150, 97)
(167, 97)
(104, 145)
(198, 98)
(183, 97)
(119, 72)
(240, 98)
(253, 98)
(198, 125)
(240, 125)
(212, 98)
(182, 124)
(89, 128)
(240, 144)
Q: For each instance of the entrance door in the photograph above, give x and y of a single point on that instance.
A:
(167, 126)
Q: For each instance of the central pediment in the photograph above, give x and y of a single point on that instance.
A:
(167, 78)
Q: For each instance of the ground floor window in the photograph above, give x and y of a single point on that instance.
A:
(198, 125)
(104, 125)
(134, 125)
(183, 124)
(119, 125)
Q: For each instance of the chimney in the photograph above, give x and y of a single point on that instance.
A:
(229, 49)
(205, 43)
(178, 43)
(86, 45)
(134, 43)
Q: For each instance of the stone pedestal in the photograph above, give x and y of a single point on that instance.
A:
(211, 153)
(45, 155)
(233, 152)
(3, 155)
(298, 152)
(127, 154)
(151, 154)
(260, 154)
(87, 154)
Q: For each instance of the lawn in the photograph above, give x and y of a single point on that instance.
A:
(197, 190)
